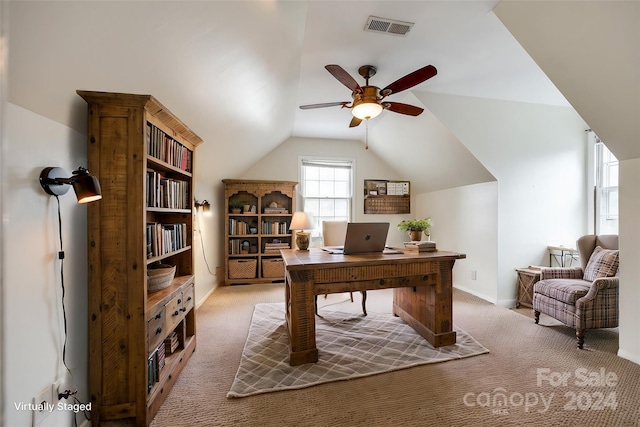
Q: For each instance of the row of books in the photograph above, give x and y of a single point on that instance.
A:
(275, 227)
(165, 238)
(238, 227)
(166, 193)
(239, 246)
(155, 363)
(163, 147)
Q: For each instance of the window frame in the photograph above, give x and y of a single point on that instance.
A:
(602, 192)
(316, 233)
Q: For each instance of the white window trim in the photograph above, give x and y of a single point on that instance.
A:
(338, 159)
(593, 198)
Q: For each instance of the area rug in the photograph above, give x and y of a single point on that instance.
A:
(349, 345)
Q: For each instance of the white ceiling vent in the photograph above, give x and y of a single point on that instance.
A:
(388, 26)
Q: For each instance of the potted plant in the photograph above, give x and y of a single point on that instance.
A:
(415, 227)
(236, 205)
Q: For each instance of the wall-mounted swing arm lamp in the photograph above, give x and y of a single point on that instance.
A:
(56, 181)
(206, 206)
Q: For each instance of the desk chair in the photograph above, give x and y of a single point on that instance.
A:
(333, 234)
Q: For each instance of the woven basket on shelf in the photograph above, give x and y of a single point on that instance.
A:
(160, 276)
(242, 268)
(273, 267)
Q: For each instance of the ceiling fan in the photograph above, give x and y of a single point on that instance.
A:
(367, 100)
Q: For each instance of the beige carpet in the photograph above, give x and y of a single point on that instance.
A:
(428, 395)
(349, 345)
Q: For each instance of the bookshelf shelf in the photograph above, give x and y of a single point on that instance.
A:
(278, 199)
(145, 217)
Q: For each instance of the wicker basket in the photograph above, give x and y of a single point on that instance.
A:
(273, 267)
(242, 268)
(160, 276)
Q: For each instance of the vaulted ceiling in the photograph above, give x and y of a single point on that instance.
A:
(236, 71)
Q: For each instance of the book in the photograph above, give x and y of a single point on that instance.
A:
(421, 246)
(421, 243)
(276, 210)
(171, 343)
(411, 248)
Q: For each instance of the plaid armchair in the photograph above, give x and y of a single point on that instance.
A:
(583, 297)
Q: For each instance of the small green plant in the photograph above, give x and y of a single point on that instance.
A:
(235, 204)
(415, 225)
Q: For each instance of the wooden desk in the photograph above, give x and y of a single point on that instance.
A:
(422, 294)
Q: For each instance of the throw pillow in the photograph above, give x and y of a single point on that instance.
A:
(602, 263)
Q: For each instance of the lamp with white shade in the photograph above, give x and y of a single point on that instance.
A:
(301, 221)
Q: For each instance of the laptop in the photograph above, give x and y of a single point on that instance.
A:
(362, 238)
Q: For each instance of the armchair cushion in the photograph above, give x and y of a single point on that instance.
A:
(602, 263)
(561, 273)
(565, 290)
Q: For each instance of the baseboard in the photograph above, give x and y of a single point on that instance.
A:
(508, 303)
(474, 293)
(629, 356)
(207, 295)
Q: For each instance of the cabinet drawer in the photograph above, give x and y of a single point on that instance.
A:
(174, 315)
(188, 298)
(156, 330)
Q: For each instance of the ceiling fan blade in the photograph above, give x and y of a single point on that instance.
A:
(410, 80)
(355, 122)
(326, 104)
(343, 77)
(399, 107)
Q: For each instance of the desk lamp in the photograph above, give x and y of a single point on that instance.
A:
(301, 221)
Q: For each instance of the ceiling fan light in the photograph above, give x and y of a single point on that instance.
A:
(366, 110)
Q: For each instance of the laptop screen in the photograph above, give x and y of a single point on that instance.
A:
(363, 237)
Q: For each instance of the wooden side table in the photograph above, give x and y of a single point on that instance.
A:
(527, 277)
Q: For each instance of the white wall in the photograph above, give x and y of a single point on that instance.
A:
(629, 254)
(537, 153)
(465, 220)
(590, 52)
(282, 164)
(208, 232)
(31, 304)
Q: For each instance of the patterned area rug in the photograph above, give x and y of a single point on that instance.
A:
(350, 346)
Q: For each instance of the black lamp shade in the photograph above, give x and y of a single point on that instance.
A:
(54, 181)
(87, 188)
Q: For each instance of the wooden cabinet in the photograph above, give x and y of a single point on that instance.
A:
(255, 233)
(139, 341)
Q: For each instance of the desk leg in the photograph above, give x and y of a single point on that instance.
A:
(429, 308)
(301, 321)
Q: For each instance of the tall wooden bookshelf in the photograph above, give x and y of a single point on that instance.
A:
(143, 156)
(255, 233)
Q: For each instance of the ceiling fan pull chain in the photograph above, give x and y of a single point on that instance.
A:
(366, 134)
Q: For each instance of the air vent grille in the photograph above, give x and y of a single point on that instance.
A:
(388, 26)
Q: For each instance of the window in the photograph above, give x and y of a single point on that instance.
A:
(327, 190)
(606, 194)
